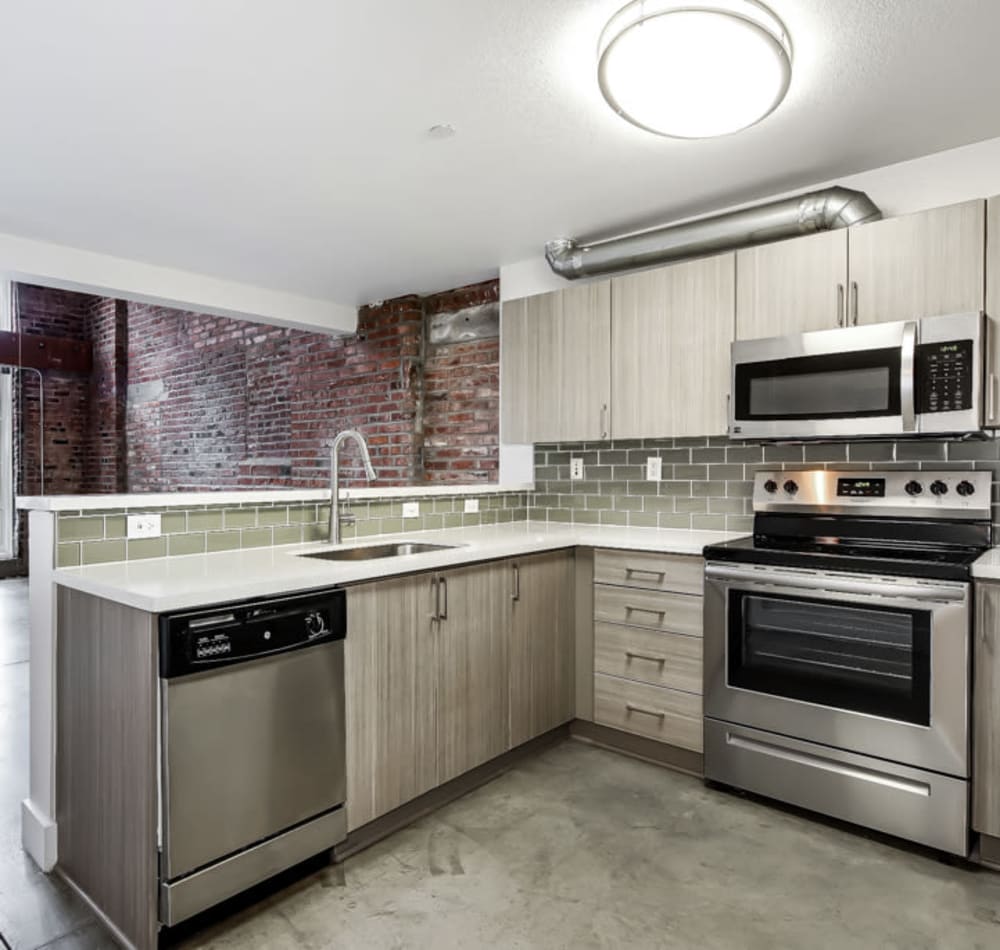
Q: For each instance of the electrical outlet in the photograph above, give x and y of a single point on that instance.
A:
(472, 506)
(144, 526)
(576, 469)
(411, 509)
(654, 468)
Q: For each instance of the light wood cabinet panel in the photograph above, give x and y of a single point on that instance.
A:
(660, 659)
(668, 715)
(472, 669)
(918, 265)
(555, 380)
(679, 573)
(655, 610)
(986, 712)
(391, 696)
(672, 330)
(791, 286)
(993, 309)
(542, 645)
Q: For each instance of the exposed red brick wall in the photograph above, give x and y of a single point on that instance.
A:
(104, 450)
(462, 387)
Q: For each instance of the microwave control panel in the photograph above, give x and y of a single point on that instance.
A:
(944, 375)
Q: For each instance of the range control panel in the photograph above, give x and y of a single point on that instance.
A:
(194, 641)
(944, 374)
(956, 495)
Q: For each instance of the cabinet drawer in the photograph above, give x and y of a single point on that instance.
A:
(668, 715)
(655, 610)
(660, 659)
(678, 573)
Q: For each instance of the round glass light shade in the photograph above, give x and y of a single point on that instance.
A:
(694, 70)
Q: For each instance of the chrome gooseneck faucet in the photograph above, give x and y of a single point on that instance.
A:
(335, 476)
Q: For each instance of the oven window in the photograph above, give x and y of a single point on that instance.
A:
(865, 659)
(831, 386)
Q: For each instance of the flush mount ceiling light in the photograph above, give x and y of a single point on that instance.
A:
(694, 70)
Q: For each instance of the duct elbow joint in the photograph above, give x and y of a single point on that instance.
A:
(564, 258)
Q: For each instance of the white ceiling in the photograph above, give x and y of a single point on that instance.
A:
(285, 144)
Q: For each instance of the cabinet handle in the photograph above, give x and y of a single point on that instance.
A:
(443, 586)
(644, 610)
(841, 316)
(991, 397)
(517, 583)
(435, 600)
(635, 654)
(604, 420)
(655, 713)
(989, 618)
(854, 303)
(644, 570)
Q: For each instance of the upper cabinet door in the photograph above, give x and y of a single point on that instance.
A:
(555, 365)
(918, 265)
(992, 408)
(672, 332)
(791, 286)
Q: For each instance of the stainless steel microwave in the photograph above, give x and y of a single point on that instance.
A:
(915, 377)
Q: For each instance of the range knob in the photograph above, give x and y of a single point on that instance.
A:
(770, 486)
(913, 487)
(791, 487)
(938, 487)
(965, 488)
(315, 623)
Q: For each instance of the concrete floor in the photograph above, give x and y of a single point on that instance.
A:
(576, 848)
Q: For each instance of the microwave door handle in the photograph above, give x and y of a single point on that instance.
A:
(906, 380)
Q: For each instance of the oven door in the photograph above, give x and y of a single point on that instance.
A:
(853, 382)
(875, 665)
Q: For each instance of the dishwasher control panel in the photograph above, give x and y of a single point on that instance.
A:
(191, 641)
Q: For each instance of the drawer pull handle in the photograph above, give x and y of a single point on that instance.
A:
(635, 654)
(644, 610)
(655, 713)
(644, 570)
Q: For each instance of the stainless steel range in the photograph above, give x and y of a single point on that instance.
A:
(837, 647)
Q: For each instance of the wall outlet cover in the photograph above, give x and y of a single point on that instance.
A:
(411, 509)
(471, 506)
(576, 469)
(144, 526)
(654, 468)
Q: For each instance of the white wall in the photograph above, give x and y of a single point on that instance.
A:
(70, 268)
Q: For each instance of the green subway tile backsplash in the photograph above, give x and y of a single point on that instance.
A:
(707, 482)
(93, 537)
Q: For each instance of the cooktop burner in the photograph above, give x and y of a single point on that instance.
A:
(872, 523)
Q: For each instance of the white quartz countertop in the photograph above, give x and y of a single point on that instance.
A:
(987, 567)
(178, 583)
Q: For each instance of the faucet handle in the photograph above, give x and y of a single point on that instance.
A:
(347, 517)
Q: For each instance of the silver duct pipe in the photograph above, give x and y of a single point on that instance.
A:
(823, 210)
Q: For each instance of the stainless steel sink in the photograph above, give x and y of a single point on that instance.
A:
(372, 551)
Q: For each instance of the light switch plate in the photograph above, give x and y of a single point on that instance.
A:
(144, 526)
(411, 509)
(471, 506)
(654, 468)
(576, 469)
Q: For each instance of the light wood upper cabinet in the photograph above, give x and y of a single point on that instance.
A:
(993, 310)
(918, 265)
(672, 330)
(986, 712)
(542, 645)
(473, 638)
(791, 286)
(555, 365)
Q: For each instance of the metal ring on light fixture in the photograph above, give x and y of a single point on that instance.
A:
(638, 12)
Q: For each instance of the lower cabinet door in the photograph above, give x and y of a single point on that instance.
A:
(391, 684)
(472, 650)
(669, 715)
(542, 645)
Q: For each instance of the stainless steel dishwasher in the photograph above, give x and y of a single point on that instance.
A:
(251, 744)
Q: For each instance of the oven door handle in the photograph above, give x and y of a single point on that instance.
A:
(876, 587)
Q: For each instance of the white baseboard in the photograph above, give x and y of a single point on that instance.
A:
(38, 836)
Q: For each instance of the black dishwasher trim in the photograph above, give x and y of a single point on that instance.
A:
(194, 641)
